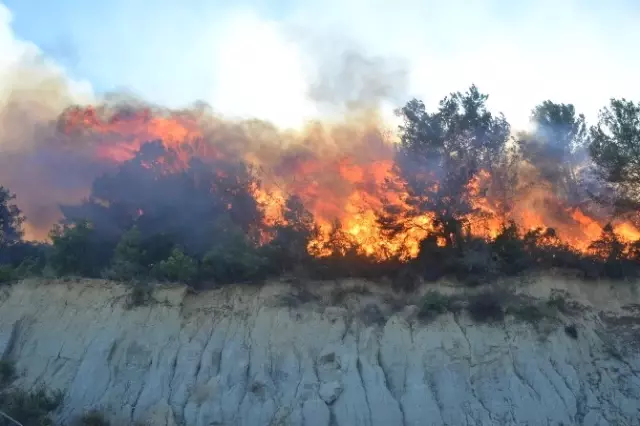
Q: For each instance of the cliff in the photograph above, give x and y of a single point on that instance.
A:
(342, 354)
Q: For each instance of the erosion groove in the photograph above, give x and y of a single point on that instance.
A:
(236, 357)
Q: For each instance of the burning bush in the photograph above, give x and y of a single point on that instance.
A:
(190, 197)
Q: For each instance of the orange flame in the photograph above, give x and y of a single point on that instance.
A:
(343, 173)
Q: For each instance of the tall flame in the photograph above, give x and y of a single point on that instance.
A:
(342, 172)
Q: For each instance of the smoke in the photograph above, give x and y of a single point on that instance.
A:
(34, 164)
(51, 152)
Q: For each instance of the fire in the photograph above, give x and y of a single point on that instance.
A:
(130, 131)
(344, 174)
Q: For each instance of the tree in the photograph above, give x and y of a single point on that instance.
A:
(556, 146)
(615, 149)
(610, 250)
(178, 267)
(440, 152)
(76, 250)
(288, 248)
(128, 258)
(192, 204)
(11, 219)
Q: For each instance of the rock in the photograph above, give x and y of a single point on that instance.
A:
(329, 392)
(316, 413)
(224, 357)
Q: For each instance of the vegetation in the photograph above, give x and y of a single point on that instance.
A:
(28, 408)
(93, 418)
(202, 225)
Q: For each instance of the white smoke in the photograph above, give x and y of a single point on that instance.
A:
(33, 92)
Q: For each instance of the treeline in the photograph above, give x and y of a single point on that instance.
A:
(202, 225)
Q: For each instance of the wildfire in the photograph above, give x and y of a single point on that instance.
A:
(343, 173)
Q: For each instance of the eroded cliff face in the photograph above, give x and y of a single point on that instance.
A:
(258, 356)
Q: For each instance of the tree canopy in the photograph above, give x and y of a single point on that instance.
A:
(615, 150)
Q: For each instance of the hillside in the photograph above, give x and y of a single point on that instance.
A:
(345, 353)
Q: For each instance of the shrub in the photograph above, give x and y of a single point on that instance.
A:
(510, 251)
(487, 306)
(473, 264)
(140, 295)
(434, 303)
(78, 250)
(93, 418)
(7, 274)
(30, 408)
(571, 331)
(127, 262)
(238, 261)
(177, 268)
(7, 372)
(27, 268)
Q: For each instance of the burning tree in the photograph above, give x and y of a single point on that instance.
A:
(441, 152)
(212, 199)
(555, 148)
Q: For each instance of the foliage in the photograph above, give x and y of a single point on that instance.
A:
(128, 259)
(571, 330)
(615, 149)
(11, 219)
(78, 250)
(198, 222)
(29, 408)
(440, 152)
(289, 245)
(510, 251)
(487, 306)
(213, 195)
(237, 261)
(556, 147)
(93, 418)
(140, 295)
(178, 267)
(435, 303)
(7, 372)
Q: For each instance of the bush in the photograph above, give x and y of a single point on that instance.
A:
(434, 303)
(487, 306)
(140, 295)
(29, 408)
(571, 330)
(177, 268)
(7, 274)
(93, 418)
(128, 258)
(28, 268)
(510, 251)
(78, 250)
(7, 372)
(239, 261)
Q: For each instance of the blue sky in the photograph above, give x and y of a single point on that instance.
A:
(259, 57)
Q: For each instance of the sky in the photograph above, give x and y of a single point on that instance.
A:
(261, 57)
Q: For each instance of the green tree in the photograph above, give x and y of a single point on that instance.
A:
(178, 267)
(236, 261)
(11, 219)
(615, 149)
(76, 250)
(128, 257)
